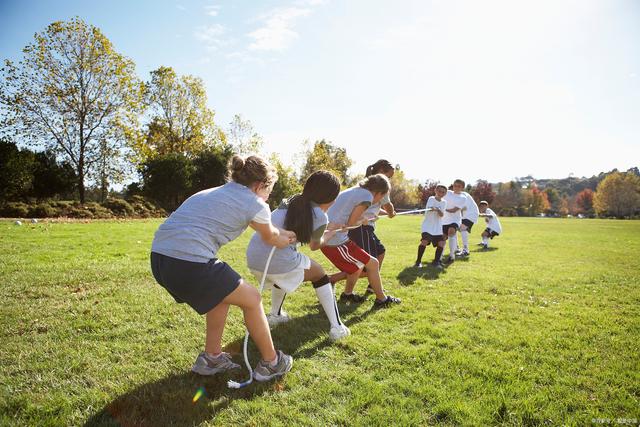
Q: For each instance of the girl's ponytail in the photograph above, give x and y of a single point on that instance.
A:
(321, 187)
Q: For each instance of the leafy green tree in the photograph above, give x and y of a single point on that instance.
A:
(618, 195)
(51, 178)
(16, 171)
(325, 156)
(210, 168)
(68, 93)
(404, 192)
(287, 184)
(180, 121)
(168, 179)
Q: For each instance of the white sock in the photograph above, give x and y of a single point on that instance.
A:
(465, 239)
(485, 240)
(453, 245)
(277, 300)
(328, 302)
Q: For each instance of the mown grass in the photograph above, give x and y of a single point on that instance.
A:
(541, 330)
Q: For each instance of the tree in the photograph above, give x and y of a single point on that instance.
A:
(404, 192)
(180, 121)
(618, 195)
(287, 184)
(427, 190)
(533, 202)
(68, 92)
(210, 168)
(16, 171)
(508, 198)
(167, 179)
(584, 202)
(51, 178)
(242, 136)
(483, 191)
(325, 156)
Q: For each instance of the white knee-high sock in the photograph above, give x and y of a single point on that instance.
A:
(465, 239)
(485, 240)
(453, 245)
(277, 300)
(328, 302)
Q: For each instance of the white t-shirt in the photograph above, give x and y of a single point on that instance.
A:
(471, 210)
(432, 222)
(493, 222)
(454, 201)
(375, 208)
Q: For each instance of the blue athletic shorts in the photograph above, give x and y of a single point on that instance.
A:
(201, 285)
(365, 237)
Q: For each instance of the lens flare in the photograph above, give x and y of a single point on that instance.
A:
(198, 394)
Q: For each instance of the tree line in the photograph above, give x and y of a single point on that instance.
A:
(95, 124)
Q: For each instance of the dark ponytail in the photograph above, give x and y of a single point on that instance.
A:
(321, 187)
(381, 166)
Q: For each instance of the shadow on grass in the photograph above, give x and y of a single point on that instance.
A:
(489, 249)
(409, 275)
(168, 401)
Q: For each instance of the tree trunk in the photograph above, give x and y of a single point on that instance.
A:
(81, 179)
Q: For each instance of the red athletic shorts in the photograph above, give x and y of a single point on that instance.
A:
(348, 257)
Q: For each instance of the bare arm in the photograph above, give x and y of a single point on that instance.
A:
(389, 209)
(356, 216)
(274, 236)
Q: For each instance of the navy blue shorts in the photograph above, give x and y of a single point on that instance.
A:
(366, 238)
(201, 285)
(445, 228)
(431, 239)
(491, 234)
(468, 223)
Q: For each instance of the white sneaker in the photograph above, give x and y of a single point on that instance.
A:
(339, 332)
(276, 319)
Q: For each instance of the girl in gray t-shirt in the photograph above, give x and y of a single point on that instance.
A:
(184, 261)
(304, 214)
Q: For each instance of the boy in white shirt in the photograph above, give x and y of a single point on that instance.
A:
(494, 228)
(469, 218)
(432, 227)
(452, 219)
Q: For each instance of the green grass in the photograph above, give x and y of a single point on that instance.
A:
(543, 329)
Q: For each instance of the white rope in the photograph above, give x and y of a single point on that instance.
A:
(235, 384)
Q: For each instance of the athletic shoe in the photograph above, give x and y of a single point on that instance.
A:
(264, 371)
(371, 291)
(437, 265)
(459, 252)
(385, 303)
(210, 365)
(351, 298)
(464, 253)
(338, 332)
(485, 246)
(276, 319)
(449, 260)
(417, 265)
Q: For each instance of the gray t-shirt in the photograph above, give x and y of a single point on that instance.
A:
(208, 220)
(340, 211)
(375, 208)
(286, 259)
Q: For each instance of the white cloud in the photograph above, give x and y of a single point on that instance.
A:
(211, 36)
(277, 33)
(212, 10)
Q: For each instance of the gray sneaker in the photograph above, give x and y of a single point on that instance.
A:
(264, 372)
(209, 365)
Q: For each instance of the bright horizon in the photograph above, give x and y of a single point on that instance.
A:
(492, 90)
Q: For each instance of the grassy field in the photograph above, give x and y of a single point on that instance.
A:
(543, 329)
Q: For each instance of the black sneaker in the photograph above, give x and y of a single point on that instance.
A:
(385, 303)
(417, 265)
(437, 264)
(351, 298)
(371, 291)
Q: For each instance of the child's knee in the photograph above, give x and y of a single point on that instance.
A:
(424, 243)
(373, 264)
(251, 296)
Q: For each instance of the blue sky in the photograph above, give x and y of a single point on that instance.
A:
(470, 89)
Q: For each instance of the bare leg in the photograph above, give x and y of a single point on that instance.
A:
(215, 319)
(373, 273)
(352, 279)
(248, 299)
